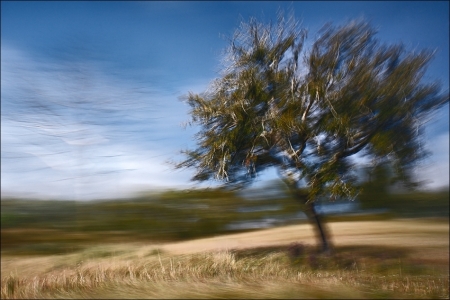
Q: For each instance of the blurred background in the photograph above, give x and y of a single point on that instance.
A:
(91, 115)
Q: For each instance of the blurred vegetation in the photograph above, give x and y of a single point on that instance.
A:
(171, 214)
(380, 192)
(37, 226)
(44, 227)
(419, 204)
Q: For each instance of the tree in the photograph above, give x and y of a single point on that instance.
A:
(309, 112)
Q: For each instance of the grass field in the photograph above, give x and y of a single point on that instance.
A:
(402, 258)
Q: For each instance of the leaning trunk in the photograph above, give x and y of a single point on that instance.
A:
(320, 228)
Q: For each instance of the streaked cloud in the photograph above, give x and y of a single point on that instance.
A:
(85, 135)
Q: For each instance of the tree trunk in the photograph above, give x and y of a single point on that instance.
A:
(320, 227)
(322, 233)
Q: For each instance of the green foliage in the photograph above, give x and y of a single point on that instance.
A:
(419, 204)
(307, 112)
(62, 226)
(375, 190)
(378, 192)
(28, 227)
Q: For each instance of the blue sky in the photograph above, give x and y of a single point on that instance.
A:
(90, 90)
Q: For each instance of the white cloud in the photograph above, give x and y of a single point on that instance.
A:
(117, 141)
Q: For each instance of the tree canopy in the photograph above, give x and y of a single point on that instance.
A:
(309, 110)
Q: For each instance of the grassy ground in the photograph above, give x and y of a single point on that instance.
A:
(372, 259)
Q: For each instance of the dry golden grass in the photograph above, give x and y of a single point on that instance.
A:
(408, 233)
(384, 259)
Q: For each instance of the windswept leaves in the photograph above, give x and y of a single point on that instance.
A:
(307, 112)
